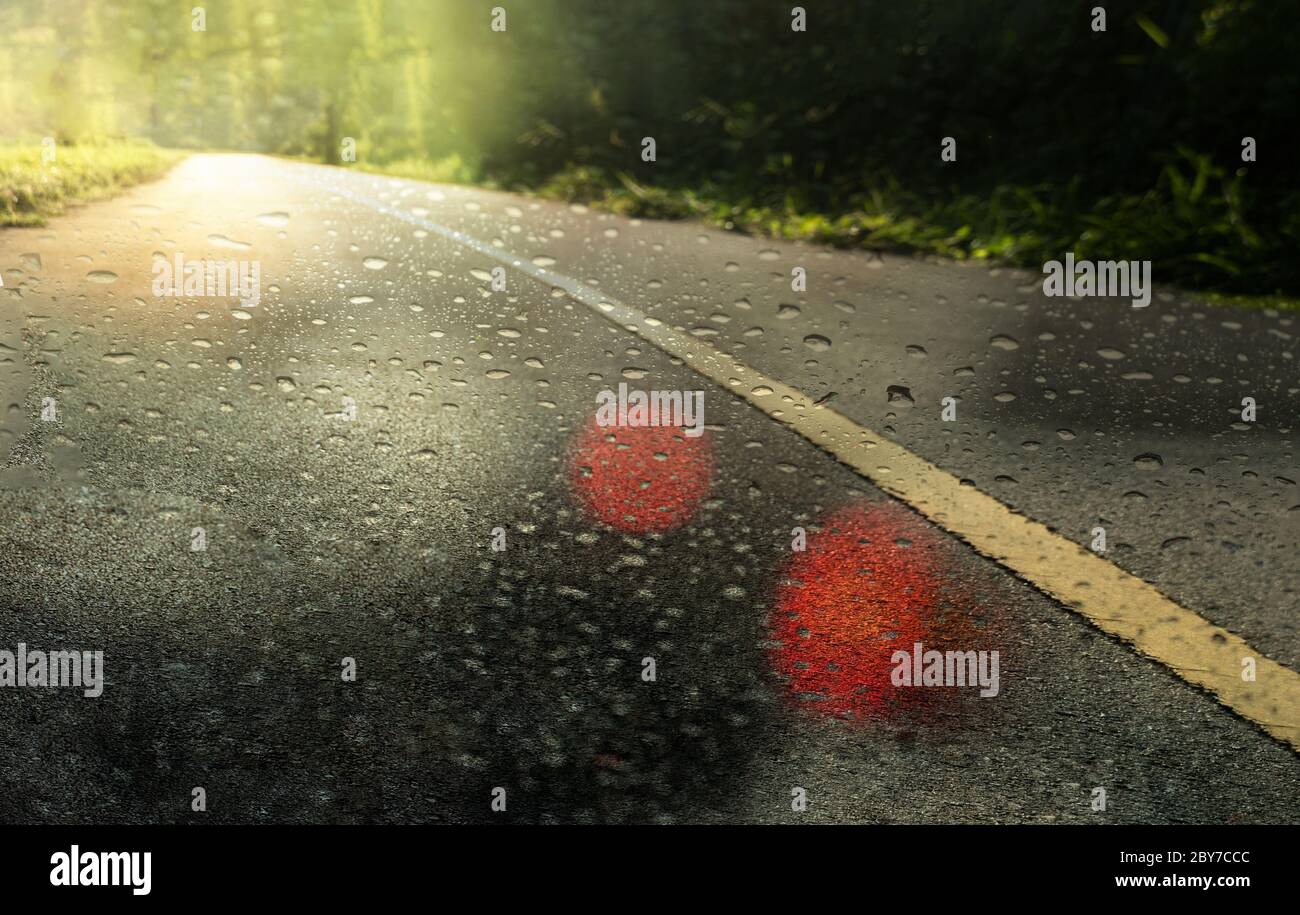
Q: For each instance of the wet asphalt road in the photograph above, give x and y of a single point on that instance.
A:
(349, 445)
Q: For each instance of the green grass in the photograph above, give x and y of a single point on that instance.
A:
(1193, 224)
(1272, 302)
(32, 190)
(449, 170)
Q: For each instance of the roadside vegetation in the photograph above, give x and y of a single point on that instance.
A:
(33, 189)
(1192, 223)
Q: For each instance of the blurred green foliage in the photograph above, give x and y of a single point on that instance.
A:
(1123, 143)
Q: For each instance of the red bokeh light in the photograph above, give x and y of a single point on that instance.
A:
(640, 479)
(866, 586)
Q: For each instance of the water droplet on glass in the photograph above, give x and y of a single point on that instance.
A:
(896, 393)
(1148, 461)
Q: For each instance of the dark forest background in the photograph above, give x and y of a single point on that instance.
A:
(1123, 143)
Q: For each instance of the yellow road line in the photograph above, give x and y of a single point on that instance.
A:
(1113, 600)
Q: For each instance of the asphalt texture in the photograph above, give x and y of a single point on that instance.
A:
(355, 445)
